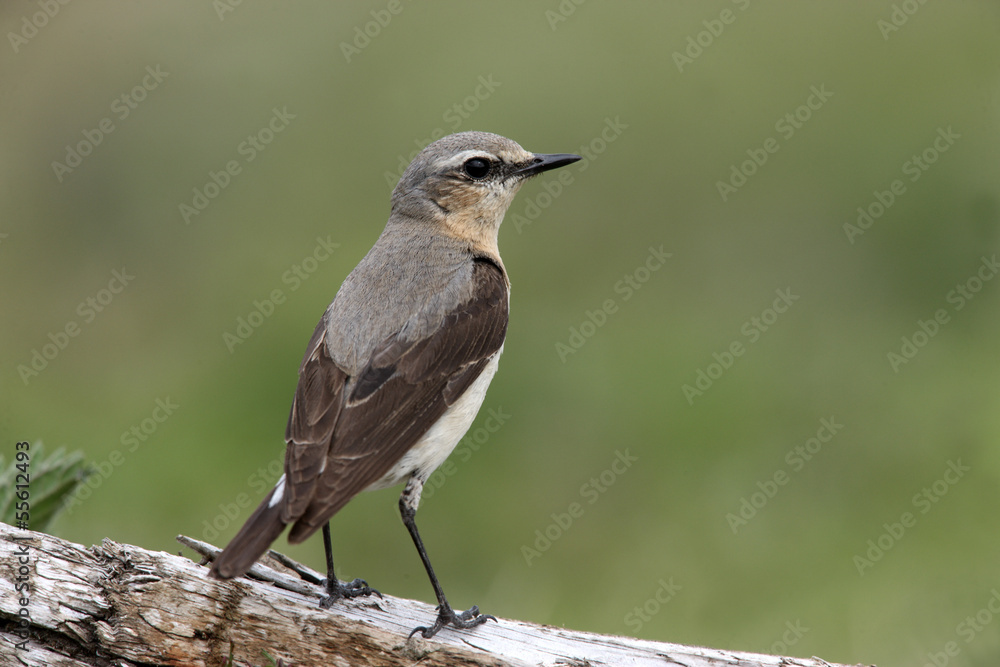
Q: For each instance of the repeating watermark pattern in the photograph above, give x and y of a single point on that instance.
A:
(252, 146)
(968, 629)
(899, 16)
(454, 116)
(752, 330)
(629, 284)
(466, 447)
(364, 34)
(796, 459)
(914, 168)
(88, 310)
(644, 613)
(260, 481)
(264, 308)
(141, 432)
(30, 25)
(699, 42)
(958, 298)
(22, 554)
(247, 324)
(923, 501)
(136, 435)
(300, 272)
(591, 491)
(793, 634)
(122, 107)
(562, 12)
(786, 126)
(223, 7)
(554, 187)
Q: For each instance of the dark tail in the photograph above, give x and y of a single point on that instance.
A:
(256, 535)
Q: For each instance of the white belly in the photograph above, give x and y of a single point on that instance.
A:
(434, 447)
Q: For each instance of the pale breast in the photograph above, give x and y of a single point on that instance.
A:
(434, 447)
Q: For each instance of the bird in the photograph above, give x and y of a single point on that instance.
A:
(399, 364)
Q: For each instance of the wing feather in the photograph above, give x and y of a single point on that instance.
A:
(336, 451)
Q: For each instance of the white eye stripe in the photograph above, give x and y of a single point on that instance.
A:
(458, 160)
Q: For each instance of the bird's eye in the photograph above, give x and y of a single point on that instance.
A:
(476, 168)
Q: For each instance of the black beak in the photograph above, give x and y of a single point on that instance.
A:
(542, 162)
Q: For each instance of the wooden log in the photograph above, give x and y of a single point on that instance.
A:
(117, 604)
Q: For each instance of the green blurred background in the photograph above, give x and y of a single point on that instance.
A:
(671, 133)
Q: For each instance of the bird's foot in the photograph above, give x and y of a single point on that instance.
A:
(342, 589)
(446, 616)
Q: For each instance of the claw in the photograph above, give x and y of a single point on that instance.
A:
(342, 590)
(469, 618)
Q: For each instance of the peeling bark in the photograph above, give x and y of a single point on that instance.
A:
(116, 604)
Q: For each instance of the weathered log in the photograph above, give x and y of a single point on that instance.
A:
(117, 604)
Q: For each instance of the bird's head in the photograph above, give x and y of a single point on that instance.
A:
(466, 182)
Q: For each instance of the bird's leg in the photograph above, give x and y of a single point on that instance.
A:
(408, 502)
(336, 589)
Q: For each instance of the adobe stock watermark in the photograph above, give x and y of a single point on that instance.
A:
(796, 459)
(453, 116)
(793, 634)
(252, 146)
(629, 284)
(30, 25)
(591, 491)
(20, 560)
(914, 168)
(364, 34)
(923, 501)
(223, 7)
(968, 629)
(87, 310)
(137, 435)
(555, 185)
(293, 277)
(958, 298)
(786, 126)
(644, 613)
(752, 330)
(260, 481)
(562, 12)
(467, 446)
(699, 42)
(898, 17)
(122, 106)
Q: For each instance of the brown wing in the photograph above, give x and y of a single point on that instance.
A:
(404, 389)
(317, 405)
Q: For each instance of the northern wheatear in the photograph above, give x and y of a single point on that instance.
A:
(399, 364)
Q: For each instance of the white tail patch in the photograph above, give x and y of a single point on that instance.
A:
(279, 491)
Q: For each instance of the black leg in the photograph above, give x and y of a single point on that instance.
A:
(470, 618)
(336, 589)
